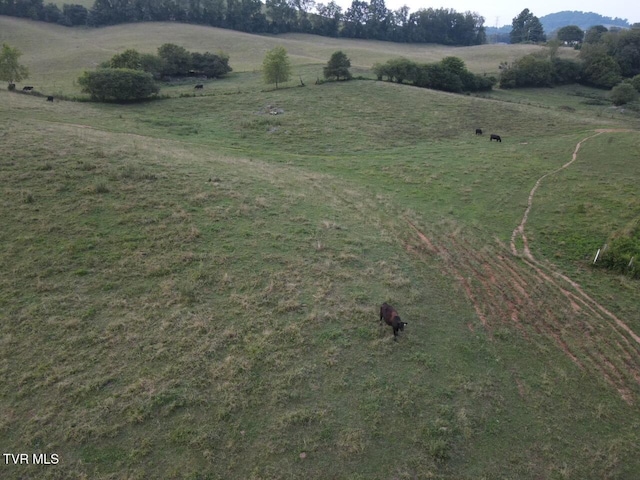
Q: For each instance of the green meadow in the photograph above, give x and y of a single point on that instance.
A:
(190, 287)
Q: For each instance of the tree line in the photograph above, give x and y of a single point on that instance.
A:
(607, 59)
(449, 75)
(363, 19)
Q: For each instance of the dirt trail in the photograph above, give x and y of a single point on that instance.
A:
(506, 286)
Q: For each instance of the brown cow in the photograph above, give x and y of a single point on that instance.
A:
(391, 317)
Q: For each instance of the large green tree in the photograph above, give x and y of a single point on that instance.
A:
(276, 66)
(570, 34)
(176, 59)
(10, 69)
(338, 66)
(526, 28)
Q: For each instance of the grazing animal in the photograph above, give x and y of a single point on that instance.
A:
(49, 98)
(27, 88)
(478, 131)
(495, 137)
(199, 86)
(391, 317)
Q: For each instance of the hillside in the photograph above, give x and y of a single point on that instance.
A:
(554, 21)
(584, 20)
(191, 286)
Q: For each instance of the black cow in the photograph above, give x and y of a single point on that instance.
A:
(495, 137)
(478, 131)
(27, 88)
(391, 317)
(199, 86)
(49, 98)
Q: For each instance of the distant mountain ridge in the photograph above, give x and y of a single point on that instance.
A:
(555, 21)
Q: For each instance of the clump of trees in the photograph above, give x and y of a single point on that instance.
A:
(606, 59)
(132, 75)
(449, 75)
(11, 70)
(173, 61)
(610, 56)
(539, 70)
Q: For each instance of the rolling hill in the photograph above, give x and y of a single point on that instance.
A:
(191, 286)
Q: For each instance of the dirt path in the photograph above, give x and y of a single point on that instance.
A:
(506, 286)
(519, 230)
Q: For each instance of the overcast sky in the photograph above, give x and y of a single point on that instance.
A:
(505, 10)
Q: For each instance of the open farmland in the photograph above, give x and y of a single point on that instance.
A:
(190, 286)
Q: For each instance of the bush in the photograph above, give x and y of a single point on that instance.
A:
(565, 71)
(528, 71)
(118, 84)
(623, 93)
(623, 251)
(210, 65)
(601, 70)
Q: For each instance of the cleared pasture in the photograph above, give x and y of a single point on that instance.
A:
(190, 286)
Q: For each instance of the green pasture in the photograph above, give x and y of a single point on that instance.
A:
(190, 286)
(59, 54)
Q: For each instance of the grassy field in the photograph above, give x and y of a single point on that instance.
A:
(190, 286)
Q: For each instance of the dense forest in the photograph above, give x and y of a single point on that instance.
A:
(366, 20)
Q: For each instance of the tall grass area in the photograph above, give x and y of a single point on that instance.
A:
(190, 287)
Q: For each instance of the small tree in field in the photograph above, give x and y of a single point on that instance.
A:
(10, 70)
(276, 67)
(338, 66)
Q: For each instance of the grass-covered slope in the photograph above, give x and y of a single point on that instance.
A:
(190, 286)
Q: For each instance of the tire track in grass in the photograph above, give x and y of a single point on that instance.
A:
(509, 287)
(580, 300)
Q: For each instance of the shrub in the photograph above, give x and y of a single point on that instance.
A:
(528, 71)
(565, 71)
(623, 93)
(623, 251)
(118, 84)
(210, 65)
